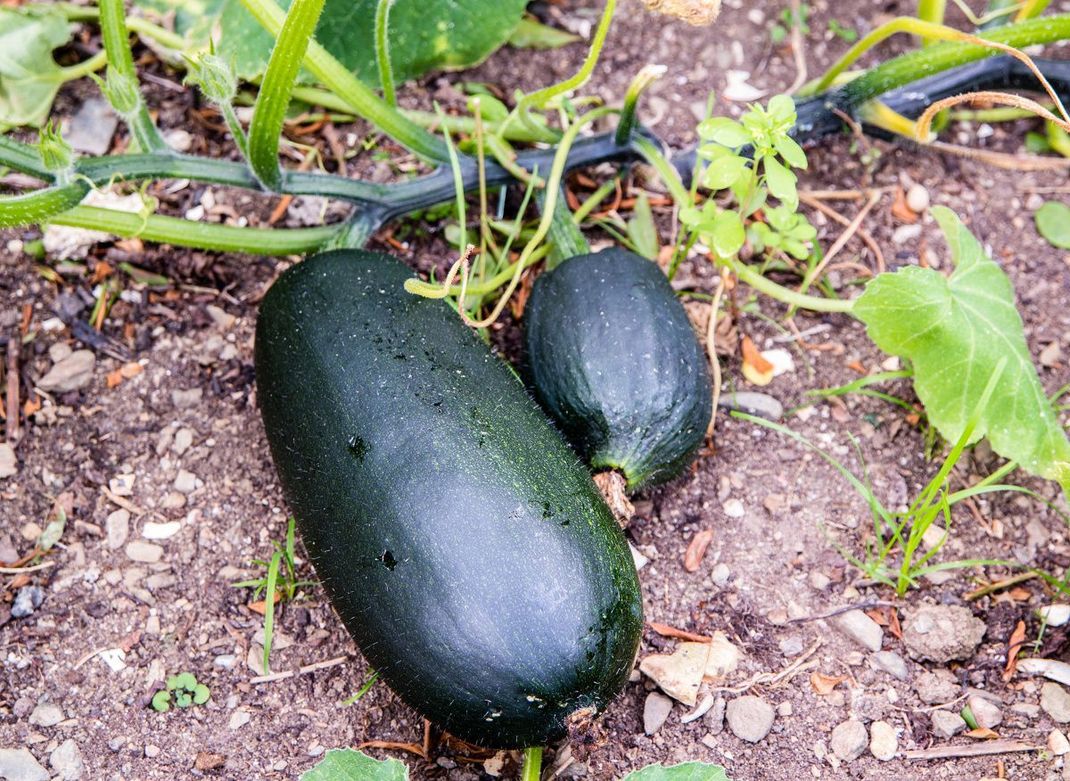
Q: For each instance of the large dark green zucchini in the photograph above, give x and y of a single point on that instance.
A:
(615, 361)
(464, 547)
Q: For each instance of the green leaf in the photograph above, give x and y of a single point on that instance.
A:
(781, 182)
(29, 77)
(346, 764)
(688, 771)
(642, 230)
(727, 234)
(724, 171)
(423, 36)
(530, 33)
(1053, 223)
(201, 694)
(956, 330)
(724, 131)
(792, 153)
(161, 701)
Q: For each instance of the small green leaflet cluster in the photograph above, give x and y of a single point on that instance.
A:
(768, 171)
(956, 331)
(182, 691)
(351, 765)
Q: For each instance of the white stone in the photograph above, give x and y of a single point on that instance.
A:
(883, 744)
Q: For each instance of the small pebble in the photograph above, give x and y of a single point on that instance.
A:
(860, 628)
(182, 441)
(117, 528)
(947, 724)
(750, 718)
(849, 740)
(9, 464)
(46, 714)
(152, 751)
(891, 663)
(715, 716)
(144, 552)
(883, 743)
(1055, 615)
(1055, 701)
(720, 575)
(72, 373)
(185, 482)
(917, 199)
(239, 718)
(1057, 743)
(656, 710)
(184, 399)
(733, 508)
(66, 760)
(985, 712)
(906, 233)
(27, 600)
(18, 764)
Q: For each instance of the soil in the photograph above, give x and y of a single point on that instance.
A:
(780, 514)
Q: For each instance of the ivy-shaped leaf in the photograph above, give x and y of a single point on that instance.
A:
(346, 764)
(29, 77)
(688, 771)
(956, 330)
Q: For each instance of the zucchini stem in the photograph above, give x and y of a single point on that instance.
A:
(532, 769)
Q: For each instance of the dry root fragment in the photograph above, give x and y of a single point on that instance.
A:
(612, 486)
(697, 12)
(585, 733)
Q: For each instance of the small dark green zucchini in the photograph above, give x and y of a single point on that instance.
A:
(465, 548)
(615, 361)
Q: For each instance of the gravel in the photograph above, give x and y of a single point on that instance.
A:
(66, 760)
(46, 714)
(18, 764)
(891, 663)
(72, 373)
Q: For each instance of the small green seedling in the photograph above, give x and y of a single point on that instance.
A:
(279, 584)
(768, 171)
(182, 691)
(789, 20)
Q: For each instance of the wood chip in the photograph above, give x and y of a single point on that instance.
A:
(1014, 645)
(680, 634)
(824, 684)
(696, 550)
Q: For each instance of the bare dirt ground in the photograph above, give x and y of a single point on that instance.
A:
(181, 442)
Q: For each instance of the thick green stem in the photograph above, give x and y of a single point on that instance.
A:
(363, 100)
(274, 96)
(40, 205)
(85, 67)
(932, 10)
(786, 295)
(121, 60)
(203, 235)
(532, 769)
(936, 59)
(382, 51)
(135, 24)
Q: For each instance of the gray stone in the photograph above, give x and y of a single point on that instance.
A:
(9, 465)
(18, 764)
(985, 712)
(942, 633)
(27, 600)
(715, 716)
(861, 628)
(184, 399)
(46, 714)
(656, 710)
(791, 646)
(145, 552)
(1058, 745)
(849, 740)
(947, 724)
(720, 575)
(73, 372)
(92, 127)
(891, 663)
(937, 687)
(883, 744)
(750, 718)
(1055, 701)
(66, 759)
(117, 528)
